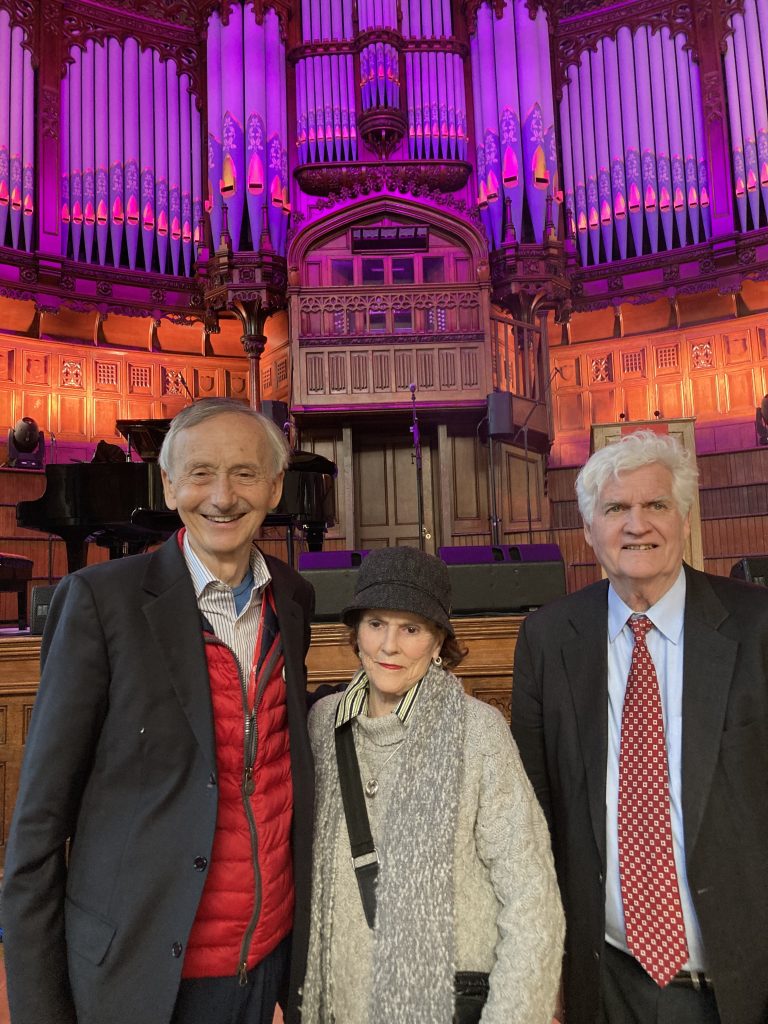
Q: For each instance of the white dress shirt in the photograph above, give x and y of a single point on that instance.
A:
(665, 643)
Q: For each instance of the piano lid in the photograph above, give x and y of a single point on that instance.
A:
(145, 437)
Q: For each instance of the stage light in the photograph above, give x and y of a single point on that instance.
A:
(26, 445)
(761, 421)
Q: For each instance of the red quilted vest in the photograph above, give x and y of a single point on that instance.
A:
(246, 907)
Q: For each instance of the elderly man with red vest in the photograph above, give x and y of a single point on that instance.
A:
(157, 869)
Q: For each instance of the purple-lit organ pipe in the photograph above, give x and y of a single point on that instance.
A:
(602, 151)
(5, 123)
(174, 167)
(749, 136)
(17, 131)
(659, 101)
(569, 206)
(28, 152)
(255, 128)
(485, 80)
(185, 154)
(116, 158)
(647, 140)
(75, 148)
(590, 165)
(161, 160)
(581, 214)
(213, 201)
(692, 197)
(146, 211)
(629, 119)
(89, 156)
(64, 152)
(758, 90)
(197, 183)
(612, 90)
(131, 178)
(535, 129)
(274, 57)
(233, 172)
(674, 128)
(101, 139)
(698, 133)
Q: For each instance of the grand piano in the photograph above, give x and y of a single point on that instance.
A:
(121, 506)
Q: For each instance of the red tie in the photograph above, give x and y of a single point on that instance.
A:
(649, 889)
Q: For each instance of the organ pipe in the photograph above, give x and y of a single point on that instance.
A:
(634, 150)
(127, 129)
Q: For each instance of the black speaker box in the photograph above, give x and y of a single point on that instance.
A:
(333, 591)
(508, 414)
(276, 411)
(753, 570)
(501, 587)
(41, 600)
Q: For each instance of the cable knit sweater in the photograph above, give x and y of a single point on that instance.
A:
(506, 917)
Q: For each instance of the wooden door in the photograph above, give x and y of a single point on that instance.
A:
(386, 502)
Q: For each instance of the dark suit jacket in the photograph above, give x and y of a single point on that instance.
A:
(120, 758)
(560, 722)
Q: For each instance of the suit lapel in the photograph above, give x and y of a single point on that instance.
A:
(709, 660)
(585, 661)
(174, 621)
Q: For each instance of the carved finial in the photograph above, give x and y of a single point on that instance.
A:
(510, 236)
(265, 242)
(225, 241)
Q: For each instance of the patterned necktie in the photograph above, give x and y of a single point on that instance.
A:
(649, 889)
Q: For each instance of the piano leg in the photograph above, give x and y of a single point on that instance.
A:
(77, 552)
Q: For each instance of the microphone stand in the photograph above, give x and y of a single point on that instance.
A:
(414, 429)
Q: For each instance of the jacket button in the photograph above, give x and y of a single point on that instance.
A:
(211, 781)
(176, 949)
(595, 954)
(201, 863)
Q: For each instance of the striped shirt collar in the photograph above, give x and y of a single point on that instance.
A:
(202, 577)
(354, 701)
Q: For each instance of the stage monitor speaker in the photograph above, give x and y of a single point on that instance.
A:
(41, 601)
(503, 587)
(278, 412)
(752, 570)
(332, 574)
(471, 554)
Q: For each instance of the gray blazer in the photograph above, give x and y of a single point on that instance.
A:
(120, 761)
(560, 722)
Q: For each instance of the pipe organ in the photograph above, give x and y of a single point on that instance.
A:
(17, 137)
(247, 129)
(130, 159)
(746, 70)
(633, 147)
(516, 143)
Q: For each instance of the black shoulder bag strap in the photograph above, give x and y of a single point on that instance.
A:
(365, 859)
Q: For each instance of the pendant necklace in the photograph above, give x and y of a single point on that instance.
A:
(371, 787)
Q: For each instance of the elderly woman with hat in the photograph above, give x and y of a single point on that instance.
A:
(434, 898)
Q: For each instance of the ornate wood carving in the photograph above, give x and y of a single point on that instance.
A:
(347, 179)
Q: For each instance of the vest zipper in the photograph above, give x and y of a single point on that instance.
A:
(251, 746)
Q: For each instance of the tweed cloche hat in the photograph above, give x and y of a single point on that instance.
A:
(403, 580)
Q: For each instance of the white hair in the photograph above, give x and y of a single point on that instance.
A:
(633, 451)
(206, 409)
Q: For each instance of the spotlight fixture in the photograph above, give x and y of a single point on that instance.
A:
(26, 445)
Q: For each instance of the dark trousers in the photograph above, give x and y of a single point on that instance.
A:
(630, 996)
(226, 1001)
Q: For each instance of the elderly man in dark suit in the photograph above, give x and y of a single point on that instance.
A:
(640, 707)
(158, 863)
